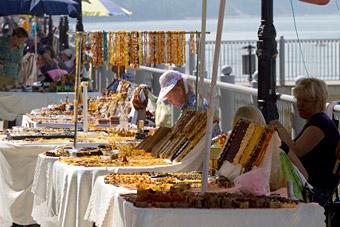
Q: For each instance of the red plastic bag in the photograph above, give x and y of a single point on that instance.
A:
(317, 2)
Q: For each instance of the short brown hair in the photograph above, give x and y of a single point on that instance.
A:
(314, 89)
(20, 32)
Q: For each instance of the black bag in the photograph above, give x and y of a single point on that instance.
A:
(332, 209)
(330, 113)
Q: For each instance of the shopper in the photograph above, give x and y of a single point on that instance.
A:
(11, 53)
(250, 113)
(316, 144)
(46, 62)
(67, 60)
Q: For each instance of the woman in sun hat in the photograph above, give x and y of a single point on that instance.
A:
(177, 91)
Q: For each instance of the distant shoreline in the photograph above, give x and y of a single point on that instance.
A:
(133, 19)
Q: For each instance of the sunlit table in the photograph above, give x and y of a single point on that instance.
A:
(107, 208)
(13, 104)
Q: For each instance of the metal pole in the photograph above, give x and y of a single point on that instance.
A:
(50, 30)
(267, 52)
(77, 84)
(79, 25)
(212, 93)
(249, 66)
(282, 61)
(202, 54)
(197, 70)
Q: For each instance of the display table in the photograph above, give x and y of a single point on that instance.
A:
(17, 167)
(17, 171)
(107, 208)
(41, 188)
(71, 190)
(61, 196)
(27, 122)
(13, 104)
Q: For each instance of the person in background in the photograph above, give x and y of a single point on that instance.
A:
(139, 101)
(316, 144)
(25, 24)
(35, 26)
(11, 53)
(30, 43)
(253, 114)
(120, 74)
(67, 61)
(177, 91)
(250, 113)
(180, 93)
(46, 62)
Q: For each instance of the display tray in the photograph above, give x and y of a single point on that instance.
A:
(39, 136)
(186, 199)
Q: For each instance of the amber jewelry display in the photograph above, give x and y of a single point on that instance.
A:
(111, 48)
(126, 49)
(135, 54)
(105, 48)
(168, 48)
(145, 48)
(140, 48)
(193, 43)
(96, 48)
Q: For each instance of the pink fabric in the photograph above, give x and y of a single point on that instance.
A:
(257, 181)
(55, 74)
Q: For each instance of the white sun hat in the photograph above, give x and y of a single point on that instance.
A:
(168, 81)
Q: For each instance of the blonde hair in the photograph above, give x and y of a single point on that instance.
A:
(250, 113)
(313, 89)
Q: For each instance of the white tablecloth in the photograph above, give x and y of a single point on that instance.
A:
(62, 196)
(71, 190)
(13, 104)
(41, 189)
(17, 166)
(123, 214)
(27, 122)
(17, 171)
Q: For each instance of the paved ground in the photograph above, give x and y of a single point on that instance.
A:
(16, 225)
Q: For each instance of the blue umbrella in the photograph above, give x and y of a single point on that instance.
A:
(39, 7)
(54, 7)
(14, 7)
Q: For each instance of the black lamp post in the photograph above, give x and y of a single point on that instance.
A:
(266, 53)
(79, 25)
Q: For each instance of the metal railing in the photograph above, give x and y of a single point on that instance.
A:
(228, 99)
(240, 96)
(320, 56)
(313, 57)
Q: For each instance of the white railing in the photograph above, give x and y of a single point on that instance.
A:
(237, 96)
(315, 57)
(321, 58)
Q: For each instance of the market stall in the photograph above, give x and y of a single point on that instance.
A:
(17, 167)
(13, 104)
(102, 111)
(254, 181)
(63, 192)
(71, 187)
(108, 208)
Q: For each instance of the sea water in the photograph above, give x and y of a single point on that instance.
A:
(235, 28)
(244, 28)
